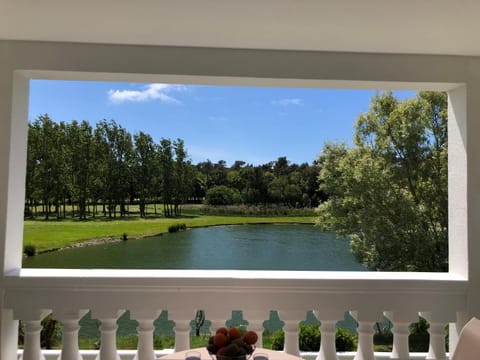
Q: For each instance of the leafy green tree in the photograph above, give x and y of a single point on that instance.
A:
(144, 168)
(47, 157)
(183, 185)
(388, 193)
(79, 151)
(166, 157)
(115, 151)
(222, 195)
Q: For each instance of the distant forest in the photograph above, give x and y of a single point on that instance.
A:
(77, 170)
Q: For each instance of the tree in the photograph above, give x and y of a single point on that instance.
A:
(48, 159)
(79, 151)
(388, 193)
(222, 195)
(144, 168)
(115, 156)
(183, 171)
(167, 175)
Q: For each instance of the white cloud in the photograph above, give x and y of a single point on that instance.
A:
(148, 93)
(288, 102)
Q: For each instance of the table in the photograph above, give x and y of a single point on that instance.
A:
(272, 354)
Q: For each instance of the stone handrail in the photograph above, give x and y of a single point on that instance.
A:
(33, 293)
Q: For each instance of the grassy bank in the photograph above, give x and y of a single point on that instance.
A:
(48, 235)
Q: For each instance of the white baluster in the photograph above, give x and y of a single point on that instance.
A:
(291, 330)
(400, 350)
(145, 331)
(292, 318)
(327, 351)
(182, 327)
(365, 341)
(401, 330)
(255, 322)
(436, 348)
(257, 326)
(182, 335)
(108, 341)
(328, 316)
(70, 350)
(32, 319)
(365, 335)
(145, 340)
(108, 333)
(70, 327)
(31, 346)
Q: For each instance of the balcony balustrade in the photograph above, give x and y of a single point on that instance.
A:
(31, 294)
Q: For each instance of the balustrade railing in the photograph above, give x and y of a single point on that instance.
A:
(68, 294)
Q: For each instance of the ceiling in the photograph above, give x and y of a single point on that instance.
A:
(379, 26)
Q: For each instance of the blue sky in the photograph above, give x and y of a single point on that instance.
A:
(254, 124)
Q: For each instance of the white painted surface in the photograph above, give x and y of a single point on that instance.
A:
(378, 26)
(182, 292)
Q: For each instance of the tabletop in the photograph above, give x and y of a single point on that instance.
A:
(272, 354)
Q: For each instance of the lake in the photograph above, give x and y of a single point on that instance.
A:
(249, 247)
(252, 247)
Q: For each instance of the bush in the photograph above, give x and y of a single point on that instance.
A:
(345, 340)
(30, 250)
(309, 339)
(176, 227)
(278, 340)
(419, 338)
(222, 195)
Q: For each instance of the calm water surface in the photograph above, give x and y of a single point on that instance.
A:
(259, 247)
(251, 247)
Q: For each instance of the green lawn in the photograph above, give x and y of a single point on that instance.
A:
(47, 235)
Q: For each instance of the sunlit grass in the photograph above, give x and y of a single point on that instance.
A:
(48, 235)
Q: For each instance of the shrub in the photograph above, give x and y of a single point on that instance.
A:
(30, 250)
(222, 195)
(419, 338)
(309, 339)
(278, 340)
(176, 227)
(345, 340)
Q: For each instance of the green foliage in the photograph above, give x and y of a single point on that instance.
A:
(222, 195)
(50, 336)
(30, 250)
(251, 210)
(278, 340)
(388, 193)
(419, 337)
(176, 227)
(86, 172)
(345, 340)
(309, 339)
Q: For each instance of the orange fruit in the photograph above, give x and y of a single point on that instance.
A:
(250, 337)
(222, 330)
(234, 333)
(220, 340)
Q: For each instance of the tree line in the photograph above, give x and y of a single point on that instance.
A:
(387, 192)
(75, 169)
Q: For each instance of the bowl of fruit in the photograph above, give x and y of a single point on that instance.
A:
(232, 344)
